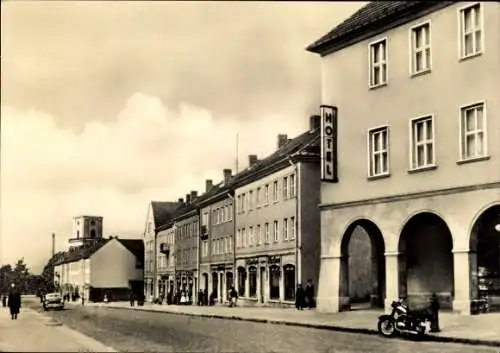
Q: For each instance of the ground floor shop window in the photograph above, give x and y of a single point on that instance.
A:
(252, 282)
(229, 280)
(289, 273)
(274, 282)
(241, 281)
(215, 284)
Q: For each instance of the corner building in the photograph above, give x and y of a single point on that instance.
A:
(277, 221)
(418, 96)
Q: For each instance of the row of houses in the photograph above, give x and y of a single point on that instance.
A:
(257, 230)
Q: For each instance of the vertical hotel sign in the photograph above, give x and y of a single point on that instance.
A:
(329, 144)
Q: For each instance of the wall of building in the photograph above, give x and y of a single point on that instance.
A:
(186, 241)
(166, 263)
(221, 234)
(451, 83)
(149, 254)
(113, 266)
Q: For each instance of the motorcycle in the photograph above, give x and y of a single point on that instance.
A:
(402, 321)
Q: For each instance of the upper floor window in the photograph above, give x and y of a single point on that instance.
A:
(250, 199)
(378, 63)
(258, 195)
(292, 185)
(266, 233)
(275, 191)
(259, 235)
(276, 231)
(243, 202)
(472, 132)
(292, 227)
(421, 48)
(243, 238)
(285, 188)
(422, 142)
(266, 194)
(238, 203)
(378, 146)
(285, 229)
(250, 236)
(471, 32)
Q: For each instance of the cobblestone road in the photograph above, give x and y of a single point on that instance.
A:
(141, 331)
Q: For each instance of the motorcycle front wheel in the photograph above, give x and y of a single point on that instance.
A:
(386, 327)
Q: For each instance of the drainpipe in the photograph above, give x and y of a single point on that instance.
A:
(298, 228)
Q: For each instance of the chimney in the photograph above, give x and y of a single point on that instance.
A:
(194, 195)
(314, 122)
(188, 199)
(227, 175)
(252, 159)
(282, 139)
(181, 200)
(208, 184)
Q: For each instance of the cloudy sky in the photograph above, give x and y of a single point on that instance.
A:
(108, 105)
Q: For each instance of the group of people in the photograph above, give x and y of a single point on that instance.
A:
(13, 301)
(304, 298)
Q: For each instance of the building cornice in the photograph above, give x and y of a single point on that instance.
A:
(410, 196)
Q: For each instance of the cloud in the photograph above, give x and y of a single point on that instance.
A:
(115, 166)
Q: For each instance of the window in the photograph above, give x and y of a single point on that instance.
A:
(241, 281)
(274, 282)
(292, 227)
(239, 203)
(230, 212)
(230, 244)
(238, 238)
(259, 235)
(285, 188)
(266, 233)
(420, 48)
(289, 279)
(250, 199)
(205, 248)
(250, 236)
(222, 214)
(259, 197)
(422, 143)
(471, 33)
(378, 145)
(275, 191)
(276, 234)
(266, 194)
(472, 132)
(292, 185)
(243, 202)
(378, 63)
(285, 229)
(243, 236)
(213, 248)
(252, 282)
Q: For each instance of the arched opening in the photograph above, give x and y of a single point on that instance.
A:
(215, 284)
(362, 269)
(289, 278)
(485, 260)
(92, 233)
(274, 282)
(241, 281)
(426, 261)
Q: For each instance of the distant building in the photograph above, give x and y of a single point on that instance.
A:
(110, 266)
(86, 229)
(216, 207)
(277, 240)
(416, 85)
(159, 213)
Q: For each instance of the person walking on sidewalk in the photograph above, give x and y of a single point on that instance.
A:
(233, 295)
(4, 300)
(14, 302)
(300, 297)
(434, 306)
(309, 294)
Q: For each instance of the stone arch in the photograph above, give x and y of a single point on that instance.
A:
(484, 257)
(425, 261)
(362, 265)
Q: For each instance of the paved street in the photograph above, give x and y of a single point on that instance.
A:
(146, 331)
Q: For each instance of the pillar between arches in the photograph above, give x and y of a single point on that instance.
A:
(464, 261)
(392, 278)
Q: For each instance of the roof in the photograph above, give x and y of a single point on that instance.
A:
(306, 144)
(163, 211)
(376, 14)
(215, 192)
(79, 253)
(135, 246)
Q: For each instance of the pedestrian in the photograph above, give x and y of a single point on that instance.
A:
(132, 298)
(4, 300)
(434, 306)
(300, 297)
(233, 295)
(14, 302)
(309, 294)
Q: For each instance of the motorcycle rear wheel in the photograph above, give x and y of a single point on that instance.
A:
(386, 327)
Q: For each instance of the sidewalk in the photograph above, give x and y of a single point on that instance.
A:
(478, 329)
(34, 332)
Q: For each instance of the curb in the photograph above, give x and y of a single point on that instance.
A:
(366, 331)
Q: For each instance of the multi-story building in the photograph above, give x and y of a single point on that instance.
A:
(216, 238)
(418, 135)
(166, 258)
(277, 220)
(158, 214)
(187, 224)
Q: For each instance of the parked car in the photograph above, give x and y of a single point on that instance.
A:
(53, 301)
